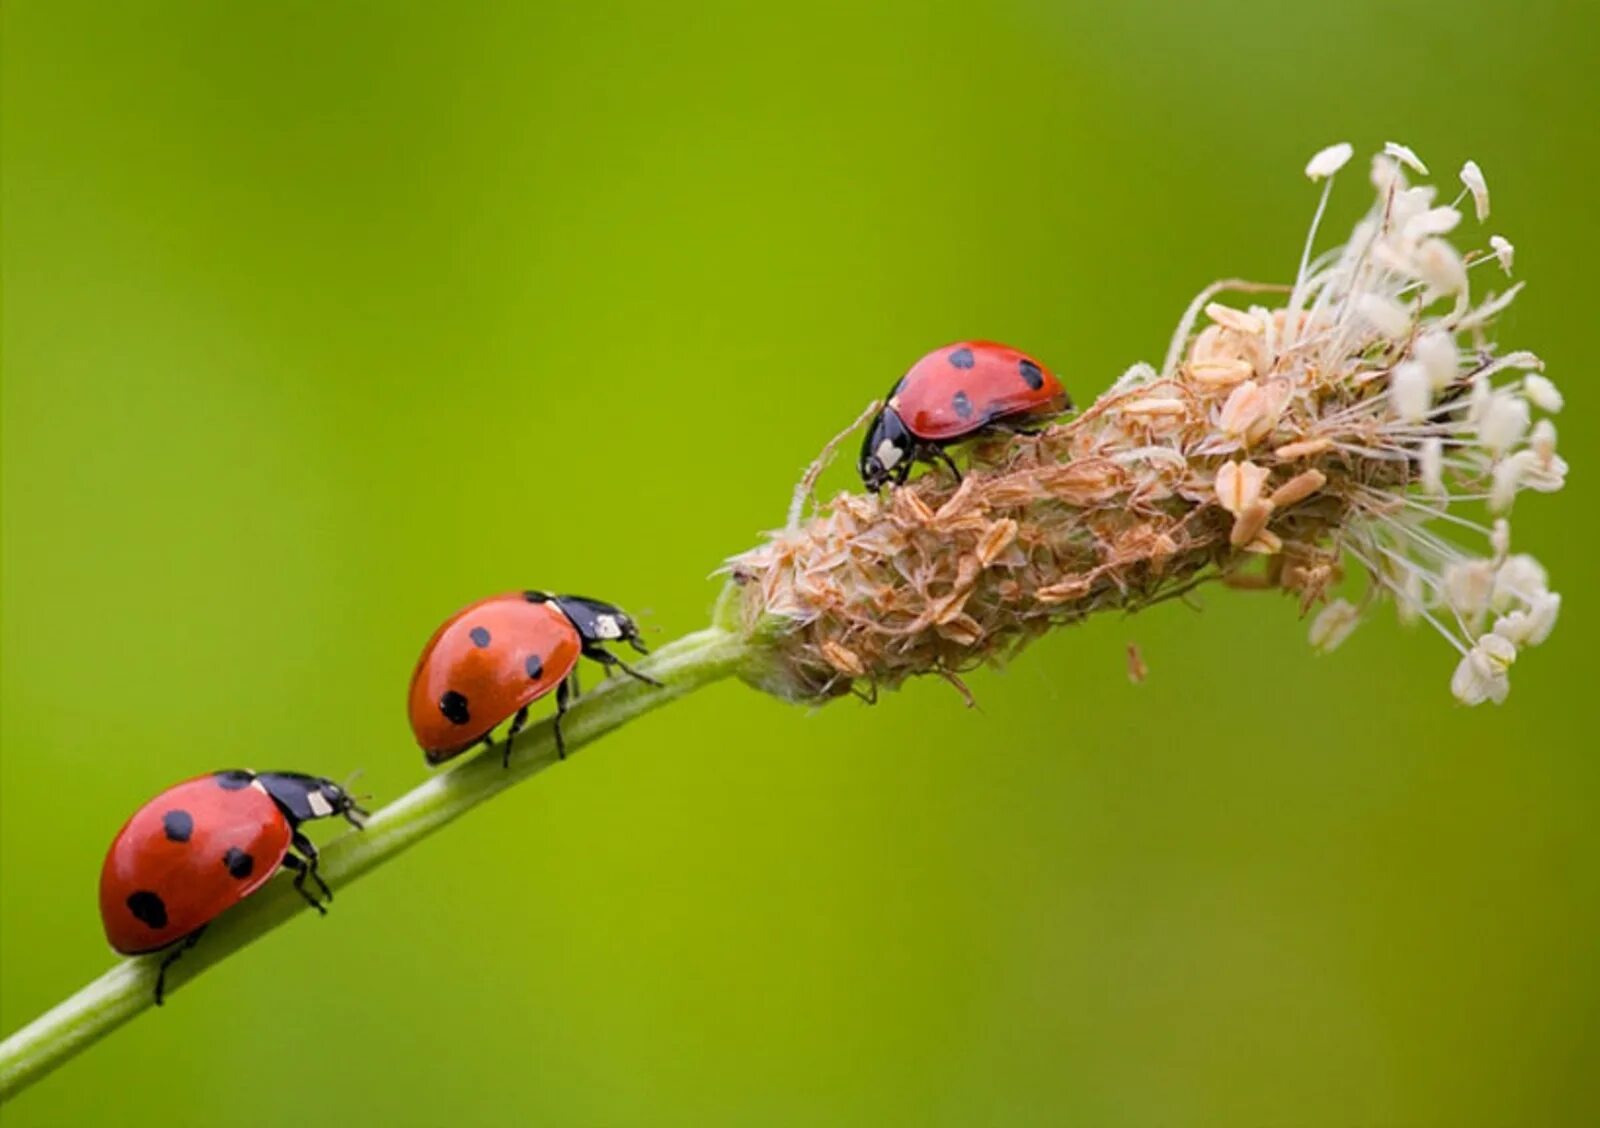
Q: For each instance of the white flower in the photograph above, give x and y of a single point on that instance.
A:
(1504, 423)
(1503, 250)
(1543, 443)
(1542, 475)
(1329, 161)
(1472, 177)
(1468, 586)
(1410, 391)
(1531, 627)
(1405, 156)
(1441, 267)
(1542, 393)
(1387, 316)
(1333, 625)
(1437, 352)
(1519, 580)
(1482, 673)
(1507, 480)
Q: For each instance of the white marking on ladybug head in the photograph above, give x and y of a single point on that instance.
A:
(259, 786)
(320, 807)
(888, 454)
(606, 626)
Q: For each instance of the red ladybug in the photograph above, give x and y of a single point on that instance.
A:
(951, 394)
(204, 846)
(494, 658)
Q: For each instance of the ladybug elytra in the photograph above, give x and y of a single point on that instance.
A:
(494, 658)
(952, 394)
(202, 847)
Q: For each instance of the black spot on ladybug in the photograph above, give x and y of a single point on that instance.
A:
(454, 707)
(234, 781)
(962, 404)
(535, 666)
(149, 908)
(535, 597)
(479, 636)
(1031, 373)
(238, 862)
(962, 358)
(179, 825)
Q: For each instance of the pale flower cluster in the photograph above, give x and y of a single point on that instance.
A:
(1469, 424)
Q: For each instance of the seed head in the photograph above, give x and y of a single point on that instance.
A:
(1345, 422)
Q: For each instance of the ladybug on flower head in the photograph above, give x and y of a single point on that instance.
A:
(955, 393)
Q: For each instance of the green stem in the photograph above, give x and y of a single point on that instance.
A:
(128, 988)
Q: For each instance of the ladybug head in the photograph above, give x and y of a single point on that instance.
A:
(301, 797)
(886, 452)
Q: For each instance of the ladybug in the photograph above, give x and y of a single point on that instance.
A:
(494, 658)
(952, 394)
(205, 845)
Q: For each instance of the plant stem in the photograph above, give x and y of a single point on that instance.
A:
(128, 988)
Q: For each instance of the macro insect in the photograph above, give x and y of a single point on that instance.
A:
(203, 846)
(494, 658)
(954, 393)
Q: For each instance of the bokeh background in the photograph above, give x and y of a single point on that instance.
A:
(322, 320)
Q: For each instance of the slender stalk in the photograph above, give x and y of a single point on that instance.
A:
(128, 988)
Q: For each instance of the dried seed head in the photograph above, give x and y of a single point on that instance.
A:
(1343, 425)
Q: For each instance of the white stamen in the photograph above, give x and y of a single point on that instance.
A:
(1434, 221)
(1441, 267)
(1472, 177)
(1503, 250)
(1410, 392)
(1542, 393)
(1432, 473)
(1329, 161)
(1543, 441)
(1505, 422)
(1437, 352)
(1405, 156)
(1333, 625)
(1387, 316)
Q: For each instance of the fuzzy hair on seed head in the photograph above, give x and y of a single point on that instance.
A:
(1337, 421)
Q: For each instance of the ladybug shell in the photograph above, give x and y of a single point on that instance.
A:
(962, 388)
(487, 661)
(185, 856)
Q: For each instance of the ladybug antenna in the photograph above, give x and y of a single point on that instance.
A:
(350, 781)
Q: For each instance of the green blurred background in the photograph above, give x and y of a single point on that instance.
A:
(322, 320)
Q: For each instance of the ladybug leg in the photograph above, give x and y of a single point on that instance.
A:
(611, 662)
(563, 693)
(307, 848)
(301, 869)
(511, 734)
(943, 456)
(173, 957)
